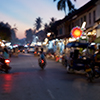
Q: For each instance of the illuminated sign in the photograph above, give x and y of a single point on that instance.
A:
(76, 32)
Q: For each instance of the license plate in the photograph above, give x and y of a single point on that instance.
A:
(88, 70)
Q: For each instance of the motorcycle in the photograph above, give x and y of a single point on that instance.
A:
(42, 63)
(4, 65)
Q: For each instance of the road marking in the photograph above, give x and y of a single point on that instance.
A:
(50, 94)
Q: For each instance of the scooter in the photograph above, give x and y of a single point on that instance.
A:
(42, 63)
(4, 65)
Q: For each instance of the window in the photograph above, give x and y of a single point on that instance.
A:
(60, 31)
(89, 18)
(94, 16)
(77, 22)
(85, 18)
(72, 24)
(81, 21)
(69, 28)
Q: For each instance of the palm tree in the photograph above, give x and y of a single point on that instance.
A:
(52, 20)
(38, 23)
(61, 5)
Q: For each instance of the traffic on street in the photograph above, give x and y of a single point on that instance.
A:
(26, 80)
(49, 56)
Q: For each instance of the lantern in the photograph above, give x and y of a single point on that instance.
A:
(76, 32)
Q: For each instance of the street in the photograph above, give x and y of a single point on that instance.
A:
(26, 81)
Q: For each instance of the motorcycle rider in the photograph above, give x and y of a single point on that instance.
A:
(5, 53)
(42, 55)
(4, 66)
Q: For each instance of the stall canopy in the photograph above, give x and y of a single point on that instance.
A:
(81, 45)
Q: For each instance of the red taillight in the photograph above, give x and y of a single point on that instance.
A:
(7, 61)
(42, 61)
(34, 52)
(23, 50)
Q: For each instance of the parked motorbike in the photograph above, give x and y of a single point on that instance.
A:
(4, 65)
(42, 63)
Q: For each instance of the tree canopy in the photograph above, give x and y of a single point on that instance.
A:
(38, 23)
(29, 35)
(5, 31)
(62, 4)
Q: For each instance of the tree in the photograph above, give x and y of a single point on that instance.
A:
(5, 31)
(61, 5)
(52, 21)
(38, 23)
(29, 35)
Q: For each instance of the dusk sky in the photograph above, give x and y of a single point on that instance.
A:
(24, 12)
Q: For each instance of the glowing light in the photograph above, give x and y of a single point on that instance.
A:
(83, 25)
(46, 40)
(72, 39)
(7, 86)
(76, 32)
(48, 35)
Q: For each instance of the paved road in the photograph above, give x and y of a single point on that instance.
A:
(26, 81)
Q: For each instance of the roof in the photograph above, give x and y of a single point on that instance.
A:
(81, 10)
(79, 44)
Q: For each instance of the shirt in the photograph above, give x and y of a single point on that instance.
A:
(5, 55)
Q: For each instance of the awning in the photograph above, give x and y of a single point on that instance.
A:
(80, 45)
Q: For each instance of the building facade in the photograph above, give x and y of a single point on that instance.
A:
(88, 13)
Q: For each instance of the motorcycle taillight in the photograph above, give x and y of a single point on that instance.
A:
(42, 61)
(7, 61)
(35, 52)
